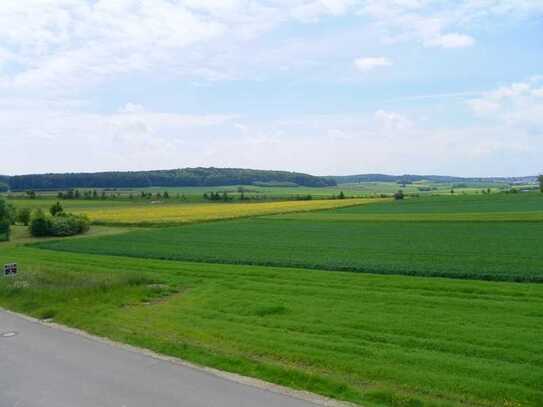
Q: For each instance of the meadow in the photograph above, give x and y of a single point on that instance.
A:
(492, 244)
(373, 340)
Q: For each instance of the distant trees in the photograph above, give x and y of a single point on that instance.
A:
(540, 179)
(165, 178)
(4, 187)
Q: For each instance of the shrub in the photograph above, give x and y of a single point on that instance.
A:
(65, 224)
(5, 219)
(40, 224)
(4, 231)
(56, 209)
(23, 216)
(68, 225)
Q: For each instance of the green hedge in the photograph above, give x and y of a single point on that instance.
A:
(4, 231)
(62, 225)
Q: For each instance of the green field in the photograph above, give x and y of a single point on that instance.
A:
(375, 340)
(356, 239)
(378, 340)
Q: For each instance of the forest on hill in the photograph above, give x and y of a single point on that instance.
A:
(165, 178)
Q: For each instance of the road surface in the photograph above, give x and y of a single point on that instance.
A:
(46, 366)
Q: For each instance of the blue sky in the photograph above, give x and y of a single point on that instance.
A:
(319, 86)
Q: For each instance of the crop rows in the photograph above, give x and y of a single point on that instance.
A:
(486, 250)
(370, 339)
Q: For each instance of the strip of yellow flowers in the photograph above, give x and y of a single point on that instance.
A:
(188, 213)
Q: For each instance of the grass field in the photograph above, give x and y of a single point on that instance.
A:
(344, 239)
(374, 340)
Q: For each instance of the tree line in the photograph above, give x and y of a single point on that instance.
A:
(163, 178)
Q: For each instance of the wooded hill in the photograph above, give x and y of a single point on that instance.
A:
(165, 178)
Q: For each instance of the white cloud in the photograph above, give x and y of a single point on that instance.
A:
(452, 41)
(518, 105)
(132, 108)
(392, 121)
(370, 63)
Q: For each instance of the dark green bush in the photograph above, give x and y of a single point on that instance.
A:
(399, 195)
(4, 231)
(61, 225)
(40, 224)
(5, 219)
(24, 216)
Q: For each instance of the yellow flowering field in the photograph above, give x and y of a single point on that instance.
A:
(201, 212)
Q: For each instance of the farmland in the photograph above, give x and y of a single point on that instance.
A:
(144, 213)
(260, 294)
(374, 340)
(364, 238)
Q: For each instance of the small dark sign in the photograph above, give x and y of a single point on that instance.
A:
(10, 269)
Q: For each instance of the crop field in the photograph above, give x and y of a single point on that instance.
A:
(119, 212)
(163, 214)
(374, 340)
(467, 208)
(343, 239)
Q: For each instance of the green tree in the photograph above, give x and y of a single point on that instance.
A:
(399, 195)
(5, 221)
(341, 195)
(24, 215)
(40, 225)
(540, 178)
(56, 209)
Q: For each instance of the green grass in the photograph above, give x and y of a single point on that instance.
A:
(374, 340)
(324, 240)
(521, 202)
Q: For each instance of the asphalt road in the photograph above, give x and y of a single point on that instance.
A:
(45, 366)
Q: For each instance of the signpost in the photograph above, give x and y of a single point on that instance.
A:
(10, 269)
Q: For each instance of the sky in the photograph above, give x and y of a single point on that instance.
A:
(327, 87)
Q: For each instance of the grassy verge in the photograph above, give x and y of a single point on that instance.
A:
(375, 340)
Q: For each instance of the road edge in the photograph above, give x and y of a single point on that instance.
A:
(233, 377)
